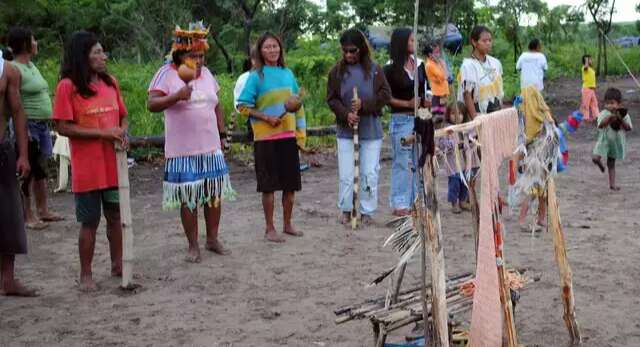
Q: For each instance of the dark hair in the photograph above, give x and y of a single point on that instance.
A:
(427, 50)
(247, 64)
(477, 32)
(534, 44)
(176, 56)
(75, 64)
(613, 94)
(398, 51)
(19, 40)
(260, 63)
(584, 58)
(356, 37)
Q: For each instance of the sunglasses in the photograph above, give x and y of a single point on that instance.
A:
(350, 50)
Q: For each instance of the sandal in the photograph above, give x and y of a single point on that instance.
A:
(39, 225)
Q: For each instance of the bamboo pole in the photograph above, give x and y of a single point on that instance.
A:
(560, 251)
(436, 254)
(125, 216)
(356, 170)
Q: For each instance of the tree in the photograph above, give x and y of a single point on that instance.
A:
(510, 14)
(602, 13)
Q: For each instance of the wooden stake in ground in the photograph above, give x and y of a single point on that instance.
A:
(356, 170)
(125, 216)
(503, 285)
(566, 277)
(436, 254)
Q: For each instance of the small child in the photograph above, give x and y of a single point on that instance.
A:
(458, 193)
(589, 103)
(613, 122)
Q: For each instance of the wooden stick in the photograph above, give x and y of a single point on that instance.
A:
(566, 276)
(436, 254)
(356, 170)
(503, 286)
(125, 216)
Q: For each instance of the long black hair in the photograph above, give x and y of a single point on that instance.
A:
(75, 64)
(398, 51)
(356, 38)
(260, 63)
(476, 33)
(19, 40)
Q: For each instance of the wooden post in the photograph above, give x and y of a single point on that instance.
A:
(433, 233)
(503, 285)
(566, 276)
(356, 170)
(125, 216)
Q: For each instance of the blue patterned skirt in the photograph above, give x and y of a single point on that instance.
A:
(196, 180)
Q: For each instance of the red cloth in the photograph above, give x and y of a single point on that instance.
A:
(93, 161)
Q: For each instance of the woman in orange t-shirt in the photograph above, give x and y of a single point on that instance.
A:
(89, 110)
(437, 74)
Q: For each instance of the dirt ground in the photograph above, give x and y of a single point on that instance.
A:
(284, 295)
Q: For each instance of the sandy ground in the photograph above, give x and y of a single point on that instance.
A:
(284, 295)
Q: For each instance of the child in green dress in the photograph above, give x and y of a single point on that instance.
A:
(613, 122)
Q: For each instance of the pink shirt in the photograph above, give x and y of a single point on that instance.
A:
(191, 126)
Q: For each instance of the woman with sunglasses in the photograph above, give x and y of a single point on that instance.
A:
(356, 69)
(401, 73)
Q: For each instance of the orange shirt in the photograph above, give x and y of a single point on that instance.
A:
(437, 78)
(93, 161)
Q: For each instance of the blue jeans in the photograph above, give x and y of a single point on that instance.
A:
(404, 178)
(457, 192)
(369, 170)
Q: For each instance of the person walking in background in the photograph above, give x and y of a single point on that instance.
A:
(532, 66)
(357, 70)
(34, 92)
(89, 110)
(196, 174)
(400, 74)
(270, 99)
(589, 103)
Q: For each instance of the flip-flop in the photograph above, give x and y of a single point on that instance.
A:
(52, 218)
(39, 225)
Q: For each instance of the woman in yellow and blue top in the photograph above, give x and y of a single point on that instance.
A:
(270, 99)
(589, 104)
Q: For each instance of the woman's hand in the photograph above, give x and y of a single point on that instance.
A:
(273, 121)
(184, 93)
(356, 105)
(352, 119)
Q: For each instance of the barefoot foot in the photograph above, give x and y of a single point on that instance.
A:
(272, 235)
(216, 247)
(290, 230)
(87, 285)
(615, 188)
(193, 256)
(16, 288)
(51, 217)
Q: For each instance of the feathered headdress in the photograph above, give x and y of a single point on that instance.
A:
(194, 39)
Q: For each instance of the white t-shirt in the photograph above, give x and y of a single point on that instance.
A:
(483, 80)
(237, 90)
(532, 66)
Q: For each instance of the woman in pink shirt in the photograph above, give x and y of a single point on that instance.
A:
(196, 173)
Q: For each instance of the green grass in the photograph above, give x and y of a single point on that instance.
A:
(311, 64)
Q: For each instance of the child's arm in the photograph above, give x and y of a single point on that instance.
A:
(605, 122)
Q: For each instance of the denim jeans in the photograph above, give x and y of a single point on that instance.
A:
(404, 178)
(369, 170)
(457, 191)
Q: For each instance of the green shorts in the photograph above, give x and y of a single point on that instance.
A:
(89, 204)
